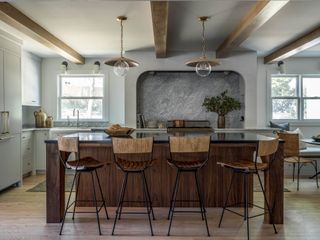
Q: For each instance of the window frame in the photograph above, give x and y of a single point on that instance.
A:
(300, 99)
(104, 97)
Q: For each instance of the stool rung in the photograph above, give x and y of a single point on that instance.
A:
(241, 215)
(136, 201)
(186, 201)
(241, 203)
(148, 212)
(180, 211)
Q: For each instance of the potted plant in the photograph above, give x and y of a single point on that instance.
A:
(222, 105)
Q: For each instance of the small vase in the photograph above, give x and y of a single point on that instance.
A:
(221, 121)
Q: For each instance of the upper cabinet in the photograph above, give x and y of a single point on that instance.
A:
(31, 75)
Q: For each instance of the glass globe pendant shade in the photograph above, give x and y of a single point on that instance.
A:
(121, 68)
(203, 69)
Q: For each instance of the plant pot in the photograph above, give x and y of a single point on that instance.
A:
(221, 121)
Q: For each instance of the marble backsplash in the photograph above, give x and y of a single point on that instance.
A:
(163, 96)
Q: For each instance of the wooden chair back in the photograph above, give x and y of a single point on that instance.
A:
(267, 147)
(132, 145)
(189, 144)
(68, 144)
(291, 144)
(66, 147)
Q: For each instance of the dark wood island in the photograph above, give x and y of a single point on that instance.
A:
(214, 179)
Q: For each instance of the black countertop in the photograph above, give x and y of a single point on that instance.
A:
(163, 137)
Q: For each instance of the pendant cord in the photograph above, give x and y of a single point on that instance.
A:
(121, 50)
(203, 41)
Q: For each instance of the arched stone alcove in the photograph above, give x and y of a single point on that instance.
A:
(166, 95)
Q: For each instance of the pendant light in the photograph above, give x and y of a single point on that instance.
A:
(202, 64)
(121, 64)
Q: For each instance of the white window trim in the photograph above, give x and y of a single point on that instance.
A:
(105, 108)
(296, 122)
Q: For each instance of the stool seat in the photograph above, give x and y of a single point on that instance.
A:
(244, 165)
(186, 165)
(85, 164)
(130, 165)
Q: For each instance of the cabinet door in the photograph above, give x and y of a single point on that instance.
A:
(1, 82)
(30, 80)
(27, 152)
(40, 147)
(12, 90)
(10, 171)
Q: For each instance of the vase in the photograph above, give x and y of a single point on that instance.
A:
(221, 121)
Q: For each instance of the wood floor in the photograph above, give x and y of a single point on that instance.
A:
(22, 216)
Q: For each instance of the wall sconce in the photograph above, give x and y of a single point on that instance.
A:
(281, 69)
(96, 67)
(64, 67)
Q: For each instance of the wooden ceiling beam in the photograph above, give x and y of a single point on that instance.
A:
(259, 14)
(160, 15)
(13, 17)
(307, 41)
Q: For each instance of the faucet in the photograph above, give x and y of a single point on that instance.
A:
(74, 113)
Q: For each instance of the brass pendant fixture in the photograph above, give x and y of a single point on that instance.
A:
(121, 64)
(202, 64)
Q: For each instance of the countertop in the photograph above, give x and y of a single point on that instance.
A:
(162, 137)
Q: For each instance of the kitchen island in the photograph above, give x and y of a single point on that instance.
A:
(214, 179)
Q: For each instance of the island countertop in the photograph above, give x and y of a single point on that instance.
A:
(163, 137)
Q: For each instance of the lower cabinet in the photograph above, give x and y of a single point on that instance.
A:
(40, 149)
(27, 150)
(10, 171)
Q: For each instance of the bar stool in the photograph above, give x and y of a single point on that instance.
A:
(265, 149)
(292, 155)
(133, 156)
(67, 146)
(188, 154)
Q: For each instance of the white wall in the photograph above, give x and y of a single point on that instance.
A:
(244, 63)
(122, 93)
(296, 65)
(114, 86)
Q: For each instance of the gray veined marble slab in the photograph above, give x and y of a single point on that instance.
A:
(163, 96)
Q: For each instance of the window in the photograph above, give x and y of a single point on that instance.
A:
(295, 97)
(84, 93)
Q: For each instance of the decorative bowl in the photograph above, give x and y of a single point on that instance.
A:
(120, 132)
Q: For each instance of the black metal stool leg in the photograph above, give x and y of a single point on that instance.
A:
(148, 193)
(146, 201)
(171, 200)
(124, 192)
(226, 202)
(96, 203)
(293, 171)
(65, 212)
(75, 201)
(198, 191)
(246, 197)
(268, 207)
(316, 169)
(119, 203)
(103, 200)
(298, 176)
(203, 210)
(174, 200)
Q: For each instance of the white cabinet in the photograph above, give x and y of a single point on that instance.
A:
(1, 83)
(27, 152)
(12, 90)
(40, 149)
(31, 75)
(10, 164)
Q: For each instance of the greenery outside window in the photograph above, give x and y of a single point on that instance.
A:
(295, 97)
(83, 93)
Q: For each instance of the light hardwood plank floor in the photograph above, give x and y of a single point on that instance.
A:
(22, 216)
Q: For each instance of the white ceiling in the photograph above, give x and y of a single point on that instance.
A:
(90, 26)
